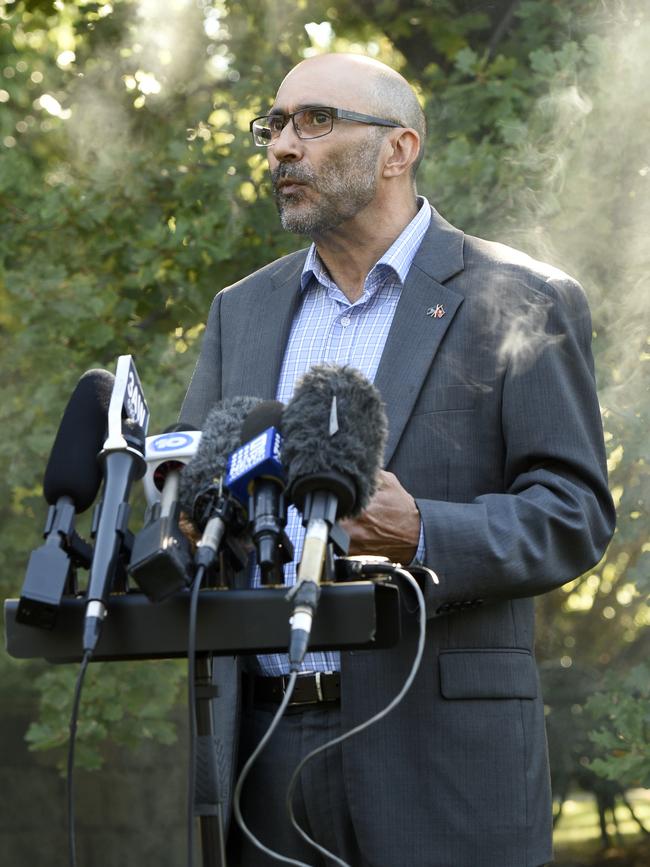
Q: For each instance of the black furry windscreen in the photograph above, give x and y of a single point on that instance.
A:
(356, 448)
(72, 468)
(265, 415)
(220, 437)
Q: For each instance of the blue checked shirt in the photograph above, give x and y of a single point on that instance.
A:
(328, 328)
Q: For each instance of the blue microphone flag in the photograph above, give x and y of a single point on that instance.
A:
(258, 458)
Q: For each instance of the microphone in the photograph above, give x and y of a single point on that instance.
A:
(71, 482)
(178, 444)
(334, 432)
(123, 464)
(201, 492)
(161, 558)
(257, 478)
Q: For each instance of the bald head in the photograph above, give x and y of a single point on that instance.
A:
(360, 83)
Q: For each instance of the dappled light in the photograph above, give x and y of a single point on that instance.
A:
(130, 194)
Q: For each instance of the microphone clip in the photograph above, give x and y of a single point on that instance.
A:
(51, 570)
(214, 511)
(60, 522)
(161, 560)
(215, 502)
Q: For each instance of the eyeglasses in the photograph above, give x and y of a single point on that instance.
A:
(311, 122)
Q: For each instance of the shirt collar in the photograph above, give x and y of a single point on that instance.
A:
(398, 257)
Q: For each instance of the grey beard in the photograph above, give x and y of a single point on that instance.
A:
(346, 184)
(327, 215)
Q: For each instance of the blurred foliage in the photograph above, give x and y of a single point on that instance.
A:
(624, 741)
(129, 195)
(133, 705)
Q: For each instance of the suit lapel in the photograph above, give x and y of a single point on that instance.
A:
(424, 313)
(412, 342)
(261, 358)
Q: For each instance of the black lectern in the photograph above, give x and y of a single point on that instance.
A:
(358, 614)
(351, 615)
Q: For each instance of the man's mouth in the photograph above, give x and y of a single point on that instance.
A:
(288, 186)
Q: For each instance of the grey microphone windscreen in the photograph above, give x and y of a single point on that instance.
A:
(221, 436)
(312, 446)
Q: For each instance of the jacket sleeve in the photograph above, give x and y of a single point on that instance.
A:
(205, 386)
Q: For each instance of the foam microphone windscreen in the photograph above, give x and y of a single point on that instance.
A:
(221, 435)
(348, 438)
(73, 469)
(263, 416)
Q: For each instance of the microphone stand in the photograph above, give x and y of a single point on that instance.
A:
(353, 614)
(207, 803)
(324, 539)
(219, 511)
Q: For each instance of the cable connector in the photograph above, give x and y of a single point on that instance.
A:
(305, 599)
(95, 614)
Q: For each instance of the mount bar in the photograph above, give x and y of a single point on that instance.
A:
(354, 615)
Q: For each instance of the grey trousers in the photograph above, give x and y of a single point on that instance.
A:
(319, 803)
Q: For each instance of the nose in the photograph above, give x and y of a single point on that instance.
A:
(287, 146)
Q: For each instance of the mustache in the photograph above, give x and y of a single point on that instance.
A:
(299, 173)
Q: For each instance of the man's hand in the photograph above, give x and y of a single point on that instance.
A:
(188, 529)
(390, 526)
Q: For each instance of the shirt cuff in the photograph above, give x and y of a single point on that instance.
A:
(421, 553)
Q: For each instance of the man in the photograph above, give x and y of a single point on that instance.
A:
(494, 477)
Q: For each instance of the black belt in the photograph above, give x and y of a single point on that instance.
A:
(310, 689)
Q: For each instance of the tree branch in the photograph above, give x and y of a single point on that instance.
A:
(502, 28)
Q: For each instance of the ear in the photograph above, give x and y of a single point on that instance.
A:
(404, 145)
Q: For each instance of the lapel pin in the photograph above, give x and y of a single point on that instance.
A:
(436, 312)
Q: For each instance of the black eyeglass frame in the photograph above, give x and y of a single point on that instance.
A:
(336, 114)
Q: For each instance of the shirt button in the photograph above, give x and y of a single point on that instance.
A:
(345, 321)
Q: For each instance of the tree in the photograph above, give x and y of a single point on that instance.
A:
(130, 195)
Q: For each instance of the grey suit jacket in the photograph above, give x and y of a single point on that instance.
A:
(494, 428)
